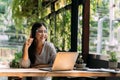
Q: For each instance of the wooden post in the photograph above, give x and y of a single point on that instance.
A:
(85, 30)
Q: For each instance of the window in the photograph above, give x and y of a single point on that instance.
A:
(104, 26)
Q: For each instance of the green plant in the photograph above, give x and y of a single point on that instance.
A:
(113, 56)
(80, 60)
(15, 62)
(24, 13)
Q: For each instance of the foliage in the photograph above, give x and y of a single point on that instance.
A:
(113, 57)
(59, 30)
(15, 62)
(24, 13)
(80, 60)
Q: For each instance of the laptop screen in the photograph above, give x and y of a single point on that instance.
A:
(65, 61)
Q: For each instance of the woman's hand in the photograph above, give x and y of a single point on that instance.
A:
(25, 49)
(28, 42)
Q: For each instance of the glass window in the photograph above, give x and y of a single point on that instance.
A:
(104, 26)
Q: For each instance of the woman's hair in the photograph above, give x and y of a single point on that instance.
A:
(31, 50)
(35, 27)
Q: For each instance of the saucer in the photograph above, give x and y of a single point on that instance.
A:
(85, 68)
(83, 65)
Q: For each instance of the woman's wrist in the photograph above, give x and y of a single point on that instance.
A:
(25, 54)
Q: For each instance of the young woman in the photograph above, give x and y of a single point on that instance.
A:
(37, 50)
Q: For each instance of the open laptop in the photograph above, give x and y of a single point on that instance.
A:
(63, 61)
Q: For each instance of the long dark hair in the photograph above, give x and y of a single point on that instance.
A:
(31, 50)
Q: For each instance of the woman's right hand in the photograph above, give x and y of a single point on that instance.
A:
(28, 42)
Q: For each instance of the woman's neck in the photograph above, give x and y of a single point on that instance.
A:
(39, 48)
(40, 44)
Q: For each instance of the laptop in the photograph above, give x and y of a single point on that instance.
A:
(63, 61)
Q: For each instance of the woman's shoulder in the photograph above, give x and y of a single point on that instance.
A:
(49, 43)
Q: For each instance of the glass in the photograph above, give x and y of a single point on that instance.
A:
(41, 31)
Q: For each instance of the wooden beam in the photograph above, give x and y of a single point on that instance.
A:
(46, 3)
(85, 30)
(74, 25)
(67, 7)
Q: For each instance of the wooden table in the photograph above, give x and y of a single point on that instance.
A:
(36, 72)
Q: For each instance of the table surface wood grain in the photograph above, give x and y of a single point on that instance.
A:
(21, 72)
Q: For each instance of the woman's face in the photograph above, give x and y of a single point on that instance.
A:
(41, 34)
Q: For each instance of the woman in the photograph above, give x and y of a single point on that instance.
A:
(37, 50)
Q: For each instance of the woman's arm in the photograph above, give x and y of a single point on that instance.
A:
(25, 61)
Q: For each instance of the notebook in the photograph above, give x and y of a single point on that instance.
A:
(63, 61)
